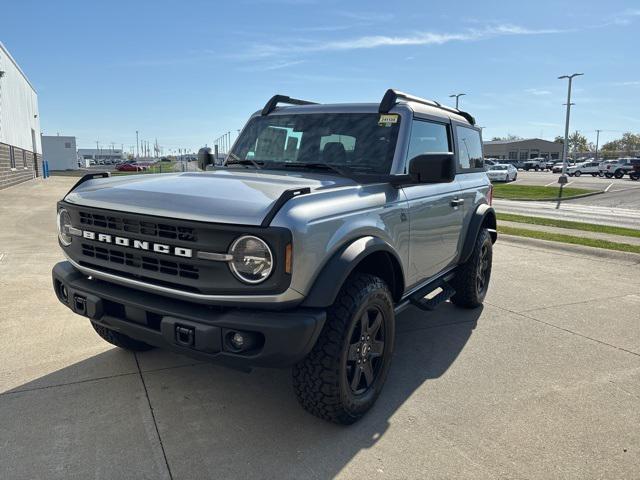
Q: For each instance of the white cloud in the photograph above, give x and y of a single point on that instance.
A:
(376, 41)
(537, 91)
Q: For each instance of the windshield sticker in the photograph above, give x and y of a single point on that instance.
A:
(387, 120)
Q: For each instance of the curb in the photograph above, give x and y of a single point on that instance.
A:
(626, 257)
(583, 195)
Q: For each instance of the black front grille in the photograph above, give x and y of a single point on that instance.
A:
(179, 269)
(154, 229)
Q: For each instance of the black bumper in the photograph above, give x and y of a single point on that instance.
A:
(278, 338)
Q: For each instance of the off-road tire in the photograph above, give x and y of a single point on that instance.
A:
(121, 340)
(618, 174)
(468, 294)
(320, 380)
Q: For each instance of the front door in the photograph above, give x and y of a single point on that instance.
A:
(435, 217)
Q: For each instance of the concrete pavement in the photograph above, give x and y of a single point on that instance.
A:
(543, 382)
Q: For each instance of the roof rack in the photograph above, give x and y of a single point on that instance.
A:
(276, 99)
(391, 97)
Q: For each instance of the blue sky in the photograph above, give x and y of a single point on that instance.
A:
(187, 71)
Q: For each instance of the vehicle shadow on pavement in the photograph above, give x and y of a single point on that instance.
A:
(218, 422)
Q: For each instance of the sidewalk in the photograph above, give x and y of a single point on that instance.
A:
(576, 233)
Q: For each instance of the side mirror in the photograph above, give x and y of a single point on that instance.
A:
(433, 168)
(205, 157)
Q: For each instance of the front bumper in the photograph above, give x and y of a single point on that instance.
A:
(281, 338)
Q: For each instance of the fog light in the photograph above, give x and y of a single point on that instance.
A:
(63, 293)
(238, 341)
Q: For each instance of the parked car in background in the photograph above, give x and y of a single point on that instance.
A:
(621, 166)
(536, 164)
(634, 174)
(592, 168)
(129, 167)
(549, 164)
(502, 172)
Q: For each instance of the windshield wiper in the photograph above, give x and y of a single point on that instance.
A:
(239, 161)
(342, 170)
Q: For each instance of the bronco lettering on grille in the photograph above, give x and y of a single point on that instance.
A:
(138, 244)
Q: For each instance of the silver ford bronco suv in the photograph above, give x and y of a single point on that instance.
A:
(323, 224)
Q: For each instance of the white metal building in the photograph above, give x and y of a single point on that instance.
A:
(60, 152)
(106, 154)
(20, 147)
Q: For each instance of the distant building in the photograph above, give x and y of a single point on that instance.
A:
(20, 148)
(523, 149)
(104, 154)
(60, 152)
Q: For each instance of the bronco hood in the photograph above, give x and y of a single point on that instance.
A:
(225, 196)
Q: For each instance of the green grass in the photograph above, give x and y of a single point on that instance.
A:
(534, 192)
(585, 227)
(558, 237)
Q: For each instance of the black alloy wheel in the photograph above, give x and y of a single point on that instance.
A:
(366, 347)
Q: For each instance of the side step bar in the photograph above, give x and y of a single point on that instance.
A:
(425, 298)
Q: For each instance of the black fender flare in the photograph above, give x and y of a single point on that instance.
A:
(484, 215)
(329, 281)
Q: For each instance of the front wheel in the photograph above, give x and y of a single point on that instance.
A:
(618, 174)
(578, 173)
(345, 371)
(472, 277)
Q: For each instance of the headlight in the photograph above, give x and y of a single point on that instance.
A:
(64, 224)
(252, 259)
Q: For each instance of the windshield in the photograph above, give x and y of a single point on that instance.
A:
(361, 142)
(498, 167)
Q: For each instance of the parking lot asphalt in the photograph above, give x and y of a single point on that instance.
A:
(620, 193)
(542, 382)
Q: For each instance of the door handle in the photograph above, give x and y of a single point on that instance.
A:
(456, 202)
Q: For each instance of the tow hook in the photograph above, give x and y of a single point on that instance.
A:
(80, 304)
(185, 336)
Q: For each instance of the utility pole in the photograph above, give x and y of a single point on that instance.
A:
(457, 97)
(137, 146)
(597, 143)
(565, 148)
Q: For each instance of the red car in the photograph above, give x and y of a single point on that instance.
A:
(129, 167)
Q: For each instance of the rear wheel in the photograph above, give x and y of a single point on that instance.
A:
(120, 340)
(345, 371)
(472, 278)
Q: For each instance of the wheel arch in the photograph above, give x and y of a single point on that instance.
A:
(483, 217)
(366, 255)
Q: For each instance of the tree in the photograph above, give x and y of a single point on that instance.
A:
(509, 138)
(578, 142)
(559, 139)
(629, 143)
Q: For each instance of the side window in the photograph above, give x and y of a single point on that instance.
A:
(469, 148)
(428, 137)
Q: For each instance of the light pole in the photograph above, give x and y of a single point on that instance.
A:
(565, 148)
(597, 143)
(457, 97)
(137, 146)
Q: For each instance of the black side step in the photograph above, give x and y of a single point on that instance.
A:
(423, 303)
(418, 299)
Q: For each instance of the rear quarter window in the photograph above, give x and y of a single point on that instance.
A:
(469, 146)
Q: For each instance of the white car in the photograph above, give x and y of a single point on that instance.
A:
(502, 172)
(586, 167)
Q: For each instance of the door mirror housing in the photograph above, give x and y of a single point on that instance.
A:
(433, 168)
(205, 157)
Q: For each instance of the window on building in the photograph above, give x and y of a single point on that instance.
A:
(524, 155)
(12, 157)
(513, 155)
(67, 144)
(469, 148)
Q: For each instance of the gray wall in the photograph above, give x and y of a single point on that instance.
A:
(522, 150)
(60, 152)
